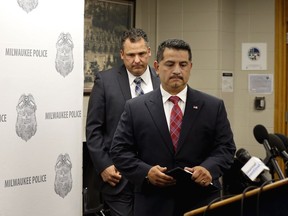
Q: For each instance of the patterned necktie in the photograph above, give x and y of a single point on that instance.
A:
(138, 89)
(175, 121)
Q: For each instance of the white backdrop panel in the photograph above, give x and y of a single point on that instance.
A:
(41, 73)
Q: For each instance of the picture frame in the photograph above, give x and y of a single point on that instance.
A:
(104, 22)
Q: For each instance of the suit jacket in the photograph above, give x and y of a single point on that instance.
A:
(142, 140)
(106, 103)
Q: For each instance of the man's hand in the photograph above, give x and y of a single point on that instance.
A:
(157, 177)
(200, 175)
(111, 175)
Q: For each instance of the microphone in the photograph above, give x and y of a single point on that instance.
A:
(253, 167)
(285, 142)
(283, 138)
(243, 155)
(261, 135)
(278, 144)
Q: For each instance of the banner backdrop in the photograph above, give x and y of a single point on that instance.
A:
(41, 91)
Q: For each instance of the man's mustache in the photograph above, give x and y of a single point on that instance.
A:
(176, 77)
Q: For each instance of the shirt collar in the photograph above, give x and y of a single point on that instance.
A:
(182, 95)
(144, 76)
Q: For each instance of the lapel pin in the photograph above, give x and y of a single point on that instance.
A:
(195, 107)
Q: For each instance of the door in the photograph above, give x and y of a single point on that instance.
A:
(281, 70)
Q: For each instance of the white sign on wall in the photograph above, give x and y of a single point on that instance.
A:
(254, 56)
(260, 83)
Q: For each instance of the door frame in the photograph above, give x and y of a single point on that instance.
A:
(280, 73)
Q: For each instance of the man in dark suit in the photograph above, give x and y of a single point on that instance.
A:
(143, 151)
(110, 91)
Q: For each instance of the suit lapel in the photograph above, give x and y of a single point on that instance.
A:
(124, 82)
(155, 106)
(193, 107)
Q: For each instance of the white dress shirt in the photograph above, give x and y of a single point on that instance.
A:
(168, 105)
(146, 83)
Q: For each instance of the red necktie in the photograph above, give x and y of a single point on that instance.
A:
(175, 121)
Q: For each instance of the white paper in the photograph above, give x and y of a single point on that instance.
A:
(260, 83)
(227, 81)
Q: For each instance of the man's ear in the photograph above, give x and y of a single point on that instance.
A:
(121, 54)
(156, 66)
(149, 52)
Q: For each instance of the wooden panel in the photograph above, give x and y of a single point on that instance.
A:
(270, 200)
(280, 75)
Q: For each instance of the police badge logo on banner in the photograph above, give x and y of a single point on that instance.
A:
(28, 5)
(64, 61)
(26, 125)
(63, 177)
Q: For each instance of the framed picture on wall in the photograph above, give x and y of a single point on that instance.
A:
(104, 22)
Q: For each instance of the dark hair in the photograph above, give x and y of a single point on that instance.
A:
(134, 35)
(177, 44)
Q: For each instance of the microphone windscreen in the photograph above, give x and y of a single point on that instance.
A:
(243, 155)
(277, 142)
(260, 133)
(283, 138)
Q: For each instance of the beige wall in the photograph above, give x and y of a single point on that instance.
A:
(215, 30)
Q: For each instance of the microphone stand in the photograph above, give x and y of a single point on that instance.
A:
(271, 157)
